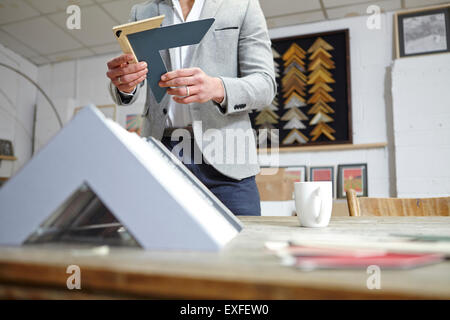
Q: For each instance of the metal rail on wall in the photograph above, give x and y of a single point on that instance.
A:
(37, 87)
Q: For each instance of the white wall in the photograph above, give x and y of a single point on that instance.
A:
(371, 57)
(17, 100)
(421, 98)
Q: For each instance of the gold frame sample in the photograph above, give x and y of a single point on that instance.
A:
(122, 31)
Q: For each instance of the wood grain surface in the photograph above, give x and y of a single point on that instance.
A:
(325, 148)
(364, 206)
(244, 269)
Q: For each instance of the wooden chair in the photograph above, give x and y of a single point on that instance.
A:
(364, 206)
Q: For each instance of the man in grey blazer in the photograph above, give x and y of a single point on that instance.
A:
(211, 89)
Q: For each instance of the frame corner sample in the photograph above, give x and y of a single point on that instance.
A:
(313, 103)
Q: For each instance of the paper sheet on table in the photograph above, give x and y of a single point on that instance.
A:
(389, 243)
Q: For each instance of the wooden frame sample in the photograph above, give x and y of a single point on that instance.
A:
(416, 29)
(352, 176)
(312, 105)
(121, 32)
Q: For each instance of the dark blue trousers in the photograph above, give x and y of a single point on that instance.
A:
(240, 196)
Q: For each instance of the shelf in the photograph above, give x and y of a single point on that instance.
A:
(333, 147)
(10, 158)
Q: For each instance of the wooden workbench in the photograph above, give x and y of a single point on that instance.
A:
(242, 270)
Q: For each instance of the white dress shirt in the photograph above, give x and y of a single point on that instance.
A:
(179, 114)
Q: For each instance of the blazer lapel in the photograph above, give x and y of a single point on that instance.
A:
(209, 10)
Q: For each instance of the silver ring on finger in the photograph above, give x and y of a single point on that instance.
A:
(187, 91)
(120, 81)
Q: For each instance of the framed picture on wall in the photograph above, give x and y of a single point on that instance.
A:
(134, 123)
(6, 148)
(297, 173)
(322, 174)
(312, 105)
(423, 31)
(3, 181)
(352, 176)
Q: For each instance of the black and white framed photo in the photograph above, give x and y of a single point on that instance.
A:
(423, 31)
(352, 176)
(6, 148)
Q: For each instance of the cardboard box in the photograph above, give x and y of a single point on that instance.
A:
(275, 187)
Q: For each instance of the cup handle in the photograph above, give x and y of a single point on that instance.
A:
(319, 215)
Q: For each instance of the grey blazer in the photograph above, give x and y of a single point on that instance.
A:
(237, 49)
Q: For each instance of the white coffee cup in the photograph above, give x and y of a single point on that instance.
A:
(313, 203)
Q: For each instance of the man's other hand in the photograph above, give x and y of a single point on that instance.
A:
(192, 85)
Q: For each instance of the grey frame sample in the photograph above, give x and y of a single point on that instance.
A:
(147, 45)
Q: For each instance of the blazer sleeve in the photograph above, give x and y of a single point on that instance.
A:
(125, 99)
(256, 86)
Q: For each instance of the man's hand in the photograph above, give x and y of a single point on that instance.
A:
(202, 87)
(126, 76)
